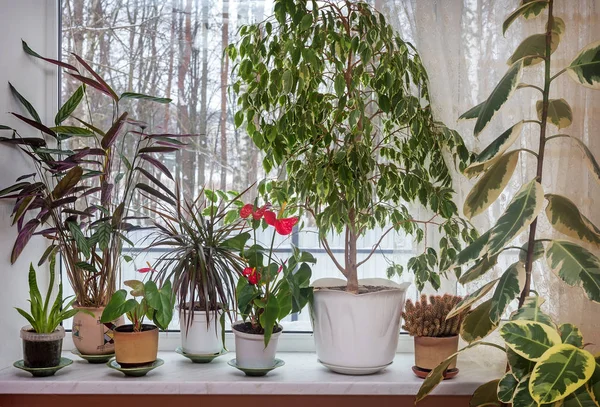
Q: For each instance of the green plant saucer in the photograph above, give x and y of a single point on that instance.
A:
(42, 371)
(94, 359)
(199, 358)
(135, 371)
(256, 372)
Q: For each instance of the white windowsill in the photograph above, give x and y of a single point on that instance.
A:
(302, 374)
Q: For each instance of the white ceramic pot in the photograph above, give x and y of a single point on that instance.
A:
(250, 351)
(357, 333)
(200, 338)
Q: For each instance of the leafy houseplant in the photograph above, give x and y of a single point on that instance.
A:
(556, 369)
(136, 344)
(42, 341)
(271, 289)
(436, 337)
(204, 239)
(331, 92)
(81, 199)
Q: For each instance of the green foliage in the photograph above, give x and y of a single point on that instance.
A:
(43, 318)
(336, 97)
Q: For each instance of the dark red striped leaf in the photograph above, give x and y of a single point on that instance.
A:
(156, 181)
(47, 253)
(35, 124)
(23, 238)
(28, 106)
(157, 164)
(147, 188)
(98, 77)
(31, 52)
(91, 82)
(158, 149)
(16, 187)
(64, 186)
(28, 141)
(111, 135)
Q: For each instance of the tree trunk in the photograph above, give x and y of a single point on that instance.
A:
(224, 73)
(170, 70)
(203, 142)
(351, 255)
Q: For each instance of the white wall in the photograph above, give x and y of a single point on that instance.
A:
(35, 21)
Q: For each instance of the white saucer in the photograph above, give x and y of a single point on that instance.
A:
(354, 371)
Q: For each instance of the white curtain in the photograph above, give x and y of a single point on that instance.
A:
(465, 53)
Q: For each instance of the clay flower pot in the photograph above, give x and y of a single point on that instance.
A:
(135, 349)
(431, 351)
(90, 336)
(42, 350)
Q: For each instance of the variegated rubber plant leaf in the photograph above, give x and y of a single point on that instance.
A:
(527, 9)
(507, 387)
(531, 311)
(532, 50)
(566, 218)
(529, 339)
(486, 395)
(470, 299)
(509, 286)
(585, 67)
(559, 112)
(477, 324)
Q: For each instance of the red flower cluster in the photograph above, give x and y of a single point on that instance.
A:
(283, 226)
(252, 275)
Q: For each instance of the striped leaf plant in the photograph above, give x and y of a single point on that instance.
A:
(548, 364)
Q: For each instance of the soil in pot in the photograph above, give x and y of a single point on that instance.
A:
(42, 350)
(247, 328)
(136, 349)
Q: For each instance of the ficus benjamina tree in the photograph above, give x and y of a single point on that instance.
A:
(337, 100)
(547, 363)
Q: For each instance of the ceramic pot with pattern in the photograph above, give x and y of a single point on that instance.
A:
(90, 336)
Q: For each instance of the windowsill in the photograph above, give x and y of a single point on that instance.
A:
(301, 375)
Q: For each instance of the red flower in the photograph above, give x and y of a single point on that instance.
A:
(259, 213)
(145, 270)
(248, 270)
(270, 218)
(283, 226)
(252, 275)
(248, 210)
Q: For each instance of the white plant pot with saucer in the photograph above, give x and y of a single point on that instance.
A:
(250, 351)
(357, 333)
(199, 337)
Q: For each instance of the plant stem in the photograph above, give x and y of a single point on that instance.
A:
(540, 158)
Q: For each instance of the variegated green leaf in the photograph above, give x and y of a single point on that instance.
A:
(507, 387)
(472, 113)
(531, 311)
(522, 395)
(527, 10)
(471, 299)
(473, 251)
(579, 398)
(522, 210)
(590, 159)
(558, 25)
(529, 339)
(593, 385)
(533, 49)
(519, 366)
(585, 68)
(499, 96)
(538, 251)
(576, 266)
(559, 112)
(479, 269)
(490, 186)
(571, 335)
(494, 151)
(477, 324)
(508, 288)
(559, 372)
(486, 395)
(566, 218)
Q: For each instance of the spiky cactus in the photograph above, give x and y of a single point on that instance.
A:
(429, 318)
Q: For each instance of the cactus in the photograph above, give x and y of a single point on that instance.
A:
(424, 318)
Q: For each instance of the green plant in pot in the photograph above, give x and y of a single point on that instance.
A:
(203, 239)
(331, 93)
(547, 363)
(435, 335)
(136, 344)
(80, 199)
(271, 288)
(42, 339)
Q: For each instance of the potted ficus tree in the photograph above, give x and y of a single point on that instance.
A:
(330, 91)
(203, 238)
(80, 198)
(547, 364)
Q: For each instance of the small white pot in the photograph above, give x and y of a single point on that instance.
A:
(200, 338)
(250, 351)
(357, 333)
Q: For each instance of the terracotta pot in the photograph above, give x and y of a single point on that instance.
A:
(133, 349)
(90, 336)
(431, 351)
(42, 350)
(250, 351)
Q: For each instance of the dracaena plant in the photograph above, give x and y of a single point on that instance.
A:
(547, 363)
(81, 199)
(154, 303)
(272, 287)
(330, 92)
(44, 319)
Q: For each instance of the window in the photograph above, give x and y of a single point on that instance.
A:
(173, 49)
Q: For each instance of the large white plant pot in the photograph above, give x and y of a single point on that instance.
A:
(250, 351)
(357, 333)
(200, 338)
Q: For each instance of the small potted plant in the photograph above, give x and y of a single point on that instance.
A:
(436, 335)
(204, 264)
(42, 340)
(271, 289)
(136, 344)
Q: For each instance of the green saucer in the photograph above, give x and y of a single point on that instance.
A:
(256, 372)
(42, 371)
(135, 371)
(197, 358)
(94, 359)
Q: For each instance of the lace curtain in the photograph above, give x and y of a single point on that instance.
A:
(462, 46)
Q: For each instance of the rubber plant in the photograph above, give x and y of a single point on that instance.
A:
(329, 92)
(81, 199)
(547, 363)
